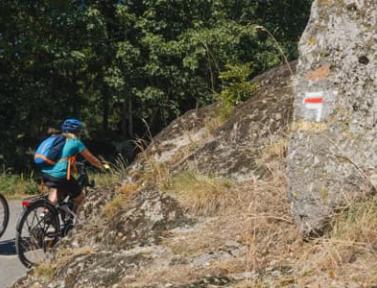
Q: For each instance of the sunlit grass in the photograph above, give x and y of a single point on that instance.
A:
(358, 223)
(13, 185)
(111, 208)
(114, 175)
(201, 194)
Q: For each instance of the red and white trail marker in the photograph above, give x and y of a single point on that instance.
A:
(314, 101)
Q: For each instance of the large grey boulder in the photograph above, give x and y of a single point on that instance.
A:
(332, 148)
(198, 141)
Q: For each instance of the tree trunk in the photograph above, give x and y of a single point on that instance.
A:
(130, 118)
(105, 109)
(127, 118)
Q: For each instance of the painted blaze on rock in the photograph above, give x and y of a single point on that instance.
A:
(332, 147)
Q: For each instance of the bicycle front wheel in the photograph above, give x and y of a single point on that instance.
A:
(4, 214)
(37, 233)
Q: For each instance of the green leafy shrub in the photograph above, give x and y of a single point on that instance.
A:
(236, 87)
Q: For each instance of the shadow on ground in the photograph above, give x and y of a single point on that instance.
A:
(8, 248)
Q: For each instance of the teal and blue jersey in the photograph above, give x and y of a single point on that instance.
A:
(72, 147)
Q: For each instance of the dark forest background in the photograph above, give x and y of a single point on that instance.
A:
(127, 67)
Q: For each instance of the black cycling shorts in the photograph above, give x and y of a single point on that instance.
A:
(71, 186)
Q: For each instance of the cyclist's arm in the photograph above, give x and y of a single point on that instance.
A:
(92, 159)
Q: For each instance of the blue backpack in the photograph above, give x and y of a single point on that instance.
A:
(49, 151)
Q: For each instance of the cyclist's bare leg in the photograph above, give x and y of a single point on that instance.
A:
(53, 196)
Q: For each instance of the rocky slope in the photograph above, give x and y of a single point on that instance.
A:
(144, 233)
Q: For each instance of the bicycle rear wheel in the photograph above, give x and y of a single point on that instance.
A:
(38, 231)
(4, 214)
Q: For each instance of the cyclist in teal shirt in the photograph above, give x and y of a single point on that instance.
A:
(59, 175)
(73, 146)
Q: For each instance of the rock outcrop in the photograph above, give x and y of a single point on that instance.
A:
(104, 250)
(195, 141)
(332, 149)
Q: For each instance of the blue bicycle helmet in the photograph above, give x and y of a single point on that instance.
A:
(71, 125)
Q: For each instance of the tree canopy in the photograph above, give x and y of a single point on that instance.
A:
(122, 65)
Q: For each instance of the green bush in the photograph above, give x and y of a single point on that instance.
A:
(237, 87)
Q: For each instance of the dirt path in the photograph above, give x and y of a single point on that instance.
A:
(10, 267)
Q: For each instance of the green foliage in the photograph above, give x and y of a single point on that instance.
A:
(120, 64)
(16, 185)
(237, 87)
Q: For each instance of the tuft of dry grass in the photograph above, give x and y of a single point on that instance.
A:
(357, 224)
(162, 275)
(202, 194)
(112, 207)
(276, 150)
(114, 175)
(313, 127)
(47, 270)
(182, 154)
(151, 171)
(129, 188)
(348, 253)
(155, 173)
(272, 156)
(104, 179)
(124, 194)
(213, 124)
(65, 255)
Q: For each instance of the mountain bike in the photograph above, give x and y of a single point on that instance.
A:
(41, 225)
(4, 214)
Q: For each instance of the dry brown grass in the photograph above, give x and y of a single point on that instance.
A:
(182, 154)
(129, 188)
(210, 235)
(116, 172)
(257, 214)
(202, 194)
(65, 255)
(308, 126)
(358, 224)
(348, 254)
(113, 207)
(150, 171)
(270, 233)
(212, 124)
(155, 173)
(181, 274)
(254, 213)
(275, 151)
(46, 271)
